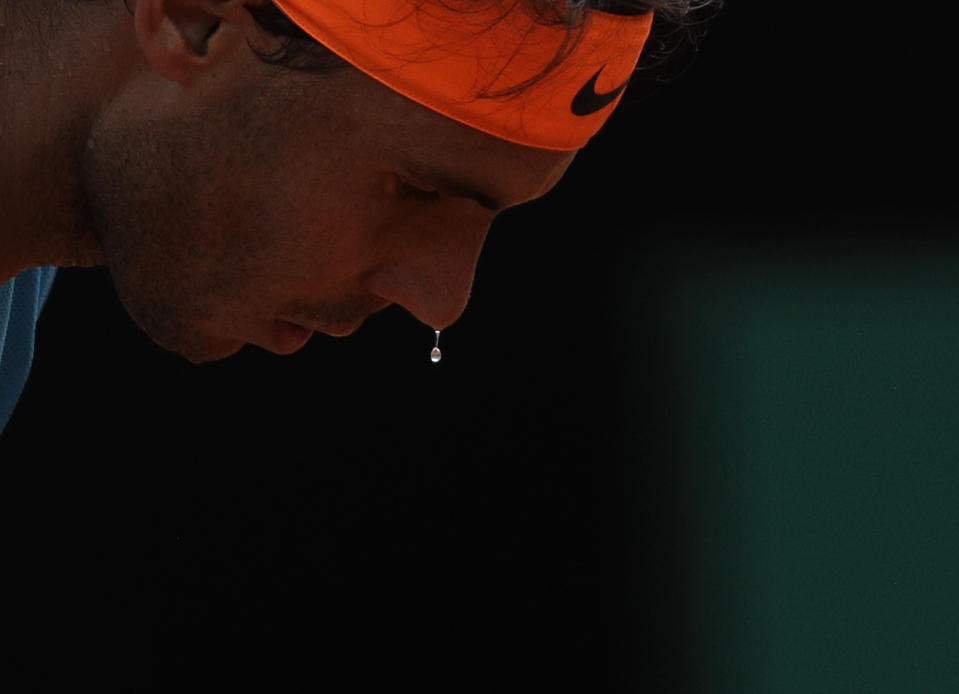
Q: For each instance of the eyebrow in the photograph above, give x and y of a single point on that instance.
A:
(450, 184)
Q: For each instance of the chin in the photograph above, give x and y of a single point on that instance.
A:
(224, 351)
(204, 352)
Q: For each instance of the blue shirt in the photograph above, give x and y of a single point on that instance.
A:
(21, 300)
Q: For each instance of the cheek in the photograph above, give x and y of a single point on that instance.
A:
(321, 226)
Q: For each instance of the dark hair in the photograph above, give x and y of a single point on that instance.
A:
(678, 26)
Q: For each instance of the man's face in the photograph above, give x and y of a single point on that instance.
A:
(257, 205)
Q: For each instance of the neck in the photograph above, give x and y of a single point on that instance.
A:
(52, 83)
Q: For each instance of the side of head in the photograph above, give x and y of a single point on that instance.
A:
(241, 182)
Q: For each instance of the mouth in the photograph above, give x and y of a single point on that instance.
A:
(288, 336)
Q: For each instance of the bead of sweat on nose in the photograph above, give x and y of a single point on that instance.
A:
(435, 353)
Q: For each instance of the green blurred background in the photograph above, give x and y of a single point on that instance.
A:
(800, 379)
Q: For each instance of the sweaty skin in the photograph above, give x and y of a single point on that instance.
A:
(234, 202)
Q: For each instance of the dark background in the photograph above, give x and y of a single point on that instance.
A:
(563, 503)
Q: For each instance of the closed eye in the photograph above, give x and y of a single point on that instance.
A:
(418, 192)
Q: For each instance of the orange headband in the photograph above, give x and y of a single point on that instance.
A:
(446, 59)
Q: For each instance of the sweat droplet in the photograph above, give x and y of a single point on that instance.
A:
(435, 353)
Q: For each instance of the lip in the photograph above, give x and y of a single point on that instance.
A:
(290, 336)
(342, 330)
(287, 337)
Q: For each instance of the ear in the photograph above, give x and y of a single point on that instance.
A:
(182, 38)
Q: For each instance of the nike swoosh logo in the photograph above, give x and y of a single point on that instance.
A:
(587, 101)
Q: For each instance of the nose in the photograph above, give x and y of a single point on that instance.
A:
(430, 266)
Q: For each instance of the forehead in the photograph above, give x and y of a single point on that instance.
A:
(402, 132)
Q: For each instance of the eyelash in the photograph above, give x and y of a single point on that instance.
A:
(408, 189)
